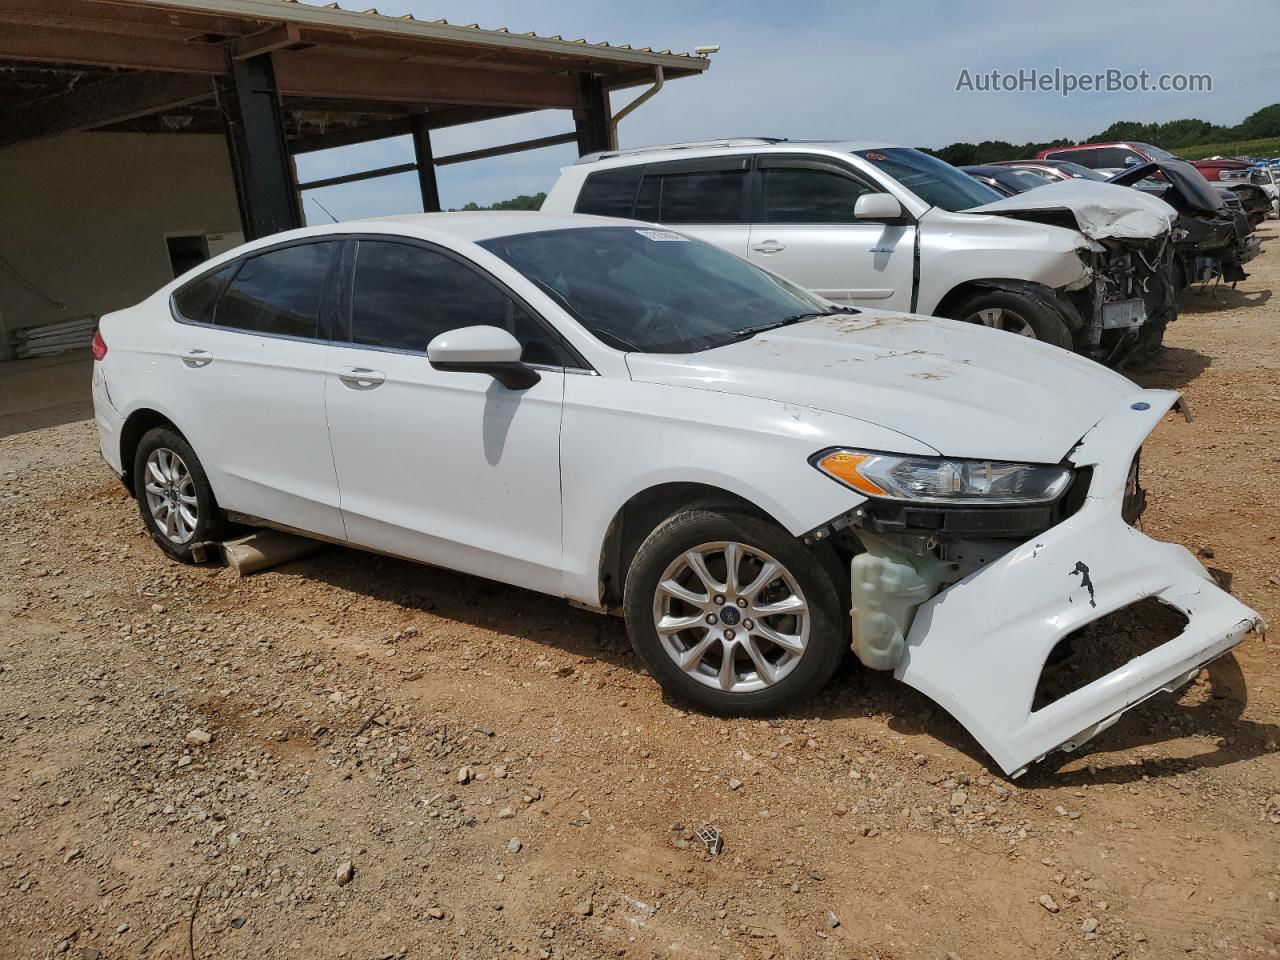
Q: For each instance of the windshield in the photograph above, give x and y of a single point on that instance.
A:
(1022, 180)
(654, 291)
(1155, 153)
(932, 180)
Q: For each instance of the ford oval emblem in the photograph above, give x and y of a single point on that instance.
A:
(1140, 405)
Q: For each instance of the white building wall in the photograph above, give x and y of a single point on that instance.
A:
(84, 217)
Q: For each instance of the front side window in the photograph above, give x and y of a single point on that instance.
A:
(278, 292)
(654, 291)
(406, 295)
(809, 195)
(934, 181)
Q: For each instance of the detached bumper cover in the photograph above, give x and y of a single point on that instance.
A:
(978, 648)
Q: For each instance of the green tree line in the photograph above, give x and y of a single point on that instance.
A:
(1173, 136)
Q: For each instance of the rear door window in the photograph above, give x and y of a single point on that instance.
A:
(405, 295)
(278, 292)
(694, 191)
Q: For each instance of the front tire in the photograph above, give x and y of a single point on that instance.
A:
(1015, 312)
(732, 614)
(173, 493)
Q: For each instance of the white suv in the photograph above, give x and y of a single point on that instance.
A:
(1084, 266)
(636, 421)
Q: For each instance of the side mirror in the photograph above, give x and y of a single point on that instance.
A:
(482, 349)
(877, 206)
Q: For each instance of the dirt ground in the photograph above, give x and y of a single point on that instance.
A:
(405, 762)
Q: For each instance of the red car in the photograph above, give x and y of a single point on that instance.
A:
(1117, 156)
(1114, 156)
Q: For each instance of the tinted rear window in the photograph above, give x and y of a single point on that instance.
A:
(278, 292)
(609, 193)
(196, 300)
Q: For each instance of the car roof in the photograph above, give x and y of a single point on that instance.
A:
(477, 225)
(471, 225)
(713, 148)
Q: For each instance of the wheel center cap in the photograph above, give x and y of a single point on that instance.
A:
(730, 615)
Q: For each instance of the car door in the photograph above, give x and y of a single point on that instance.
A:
(448, 468)
(704, 198)
(249, 363)
(807, 232)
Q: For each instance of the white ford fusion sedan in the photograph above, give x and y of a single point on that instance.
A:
(613, 413)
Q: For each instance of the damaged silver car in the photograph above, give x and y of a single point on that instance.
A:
(1085, 266)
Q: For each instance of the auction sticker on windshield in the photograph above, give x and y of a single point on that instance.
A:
(663, 235)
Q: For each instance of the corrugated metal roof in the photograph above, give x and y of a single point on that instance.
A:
(333, 15)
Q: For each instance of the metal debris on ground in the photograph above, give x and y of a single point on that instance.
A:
(711, 839)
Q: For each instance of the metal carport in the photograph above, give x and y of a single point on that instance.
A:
(277, 78)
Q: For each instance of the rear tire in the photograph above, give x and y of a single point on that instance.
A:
(174, 498)
(1015, 312)
(749, 643)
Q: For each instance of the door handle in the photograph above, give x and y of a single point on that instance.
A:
(197, 358)
(768, 246)
(362, 378)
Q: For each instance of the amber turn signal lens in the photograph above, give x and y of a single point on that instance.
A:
(844, 467)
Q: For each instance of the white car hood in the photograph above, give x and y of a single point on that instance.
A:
(1101, 211)
(962, 389)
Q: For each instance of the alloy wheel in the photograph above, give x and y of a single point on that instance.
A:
(171, 495)
(1002, 318)
(731, 617)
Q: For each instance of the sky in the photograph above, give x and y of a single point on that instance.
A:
(856, 69)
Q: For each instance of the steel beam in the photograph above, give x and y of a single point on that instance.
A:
(114, 100)
(432, 204)
(44, 44)
(517, 147)
(398, 127)
(312, 74)
(591, 119)
(260, 161)
(425, 163)
(276, 38)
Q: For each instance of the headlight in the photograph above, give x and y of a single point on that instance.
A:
(941, 479)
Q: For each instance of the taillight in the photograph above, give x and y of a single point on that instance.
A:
(99, 345)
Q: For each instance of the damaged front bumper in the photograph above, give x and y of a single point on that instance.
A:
(1131, 300)
(979, 646)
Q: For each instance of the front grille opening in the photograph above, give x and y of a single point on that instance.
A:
(1106, 644)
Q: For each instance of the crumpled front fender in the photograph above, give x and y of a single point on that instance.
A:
(979, 647)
